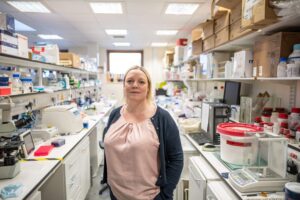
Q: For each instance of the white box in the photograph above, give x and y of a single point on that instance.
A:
(243, 64)
(49, 51)
(8, 37)
(9, 49)
(178, 55)
(22, 46)
(213, 61)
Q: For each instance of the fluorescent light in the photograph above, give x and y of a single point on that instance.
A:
(106, 8)
(121, 44)
(181, 8)
(166, 32)
(159, 44)
(19, 26)
(29, 6)
(50, 37)
(116, 32)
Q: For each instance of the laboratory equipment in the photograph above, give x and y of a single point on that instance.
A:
(9, 162)
(65, 117)
(240, 140)
(7, 126)
(269, 174)
(28, 145)
(232, 93)
(44, 133)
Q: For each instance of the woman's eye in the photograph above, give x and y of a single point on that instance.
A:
(142, 82)
(129, 81)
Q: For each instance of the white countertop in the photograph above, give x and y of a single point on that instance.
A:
(30, 176)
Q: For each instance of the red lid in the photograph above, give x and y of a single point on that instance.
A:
(280, 110)
(266, 115)
(295, 110)
(237, 129)
(270, 124)
(257, 119)
(298, 129)
(284, 125)
(283, 115)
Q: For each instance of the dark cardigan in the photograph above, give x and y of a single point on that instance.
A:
(170, 150)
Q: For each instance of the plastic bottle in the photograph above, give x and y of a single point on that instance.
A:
(293, 68)
(282, 68)
(67, 81)
(16, 84)
(27, 85)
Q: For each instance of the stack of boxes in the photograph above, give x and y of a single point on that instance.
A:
(10, 42)
(69, 60)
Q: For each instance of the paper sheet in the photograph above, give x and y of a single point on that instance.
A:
(205, 117)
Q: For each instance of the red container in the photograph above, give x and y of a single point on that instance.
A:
(181, 42)
(4, 91)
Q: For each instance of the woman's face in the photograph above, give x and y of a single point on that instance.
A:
(136, 86)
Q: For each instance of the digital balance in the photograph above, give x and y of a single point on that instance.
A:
(269, 172)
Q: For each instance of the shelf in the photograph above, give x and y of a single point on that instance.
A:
(26, 63)
(291, 23)
(223, 79)
(278, 78)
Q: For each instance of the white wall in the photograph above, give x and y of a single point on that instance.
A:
(153, 61)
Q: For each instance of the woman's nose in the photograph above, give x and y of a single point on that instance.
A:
(135, 84)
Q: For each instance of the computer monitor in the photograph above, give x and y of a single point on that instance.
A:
(232, 93)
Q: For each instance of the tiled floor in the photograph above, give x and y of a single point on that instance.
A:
(94, 190)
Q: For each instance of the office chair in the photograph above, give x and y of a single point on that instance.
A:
(105, 187)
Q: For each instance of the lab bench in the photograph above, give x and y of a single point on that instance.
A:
(65, 173)
(220, 168)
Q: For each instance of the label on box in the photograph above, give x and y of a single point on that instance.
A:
(254, 71)
(249, 4)
(8, 45)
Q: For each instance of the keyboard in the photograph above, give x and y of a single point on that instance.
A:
(200, 138)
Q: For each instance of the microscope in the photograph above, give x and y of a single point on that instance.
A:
(10, 148)
(7, 126)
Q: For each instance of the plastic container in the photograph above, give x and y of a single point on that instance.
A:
(16, 84)
(238, 139)
(27, 85)
(298, 135)
(266, 118)
(292, 191)
(294, 118)
(282, 68)
(282, 117)
(293, 66)
(67, 82)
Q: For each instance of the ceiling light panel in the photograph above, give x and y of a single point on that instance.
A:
(50, 37)
(181, 8)
(106, 8)
(29, 6)
(116, 32)
(159, 44)
(121, 44)
(166, 32)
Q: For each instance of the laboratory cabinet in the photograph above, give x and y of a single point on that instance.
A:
(77, 171)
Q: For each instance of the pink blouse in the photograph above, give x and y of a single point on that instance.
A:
(132, 158)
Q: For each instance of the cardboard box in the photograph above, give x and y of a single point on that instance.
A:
(269, 49)
(75, 59)
(196, 33)
(222, 36)
(8, 49)
(7, 37)
(209, 43)
(229, 4)
(237, 31)
(22, 46)
(221, 21)
(257, 14)
(197, 47)
(207, 29)
(7, 22)
(49, 51)
(236, 13)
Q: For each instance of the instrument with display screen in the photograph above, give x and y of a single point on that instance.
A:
(269, 172)
(65, 117)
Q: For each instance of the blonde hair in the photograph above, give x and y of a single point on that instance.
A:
(143, 69)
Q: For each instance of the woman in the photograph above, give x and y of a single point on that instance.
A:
(143, 153)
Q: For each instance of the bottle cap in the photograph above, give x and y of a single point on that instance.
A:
(283, 60)
(295, 110)
(283, 115)
(16, 75)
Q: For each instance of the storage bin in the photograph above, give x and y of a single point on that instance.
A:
(239, 144)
